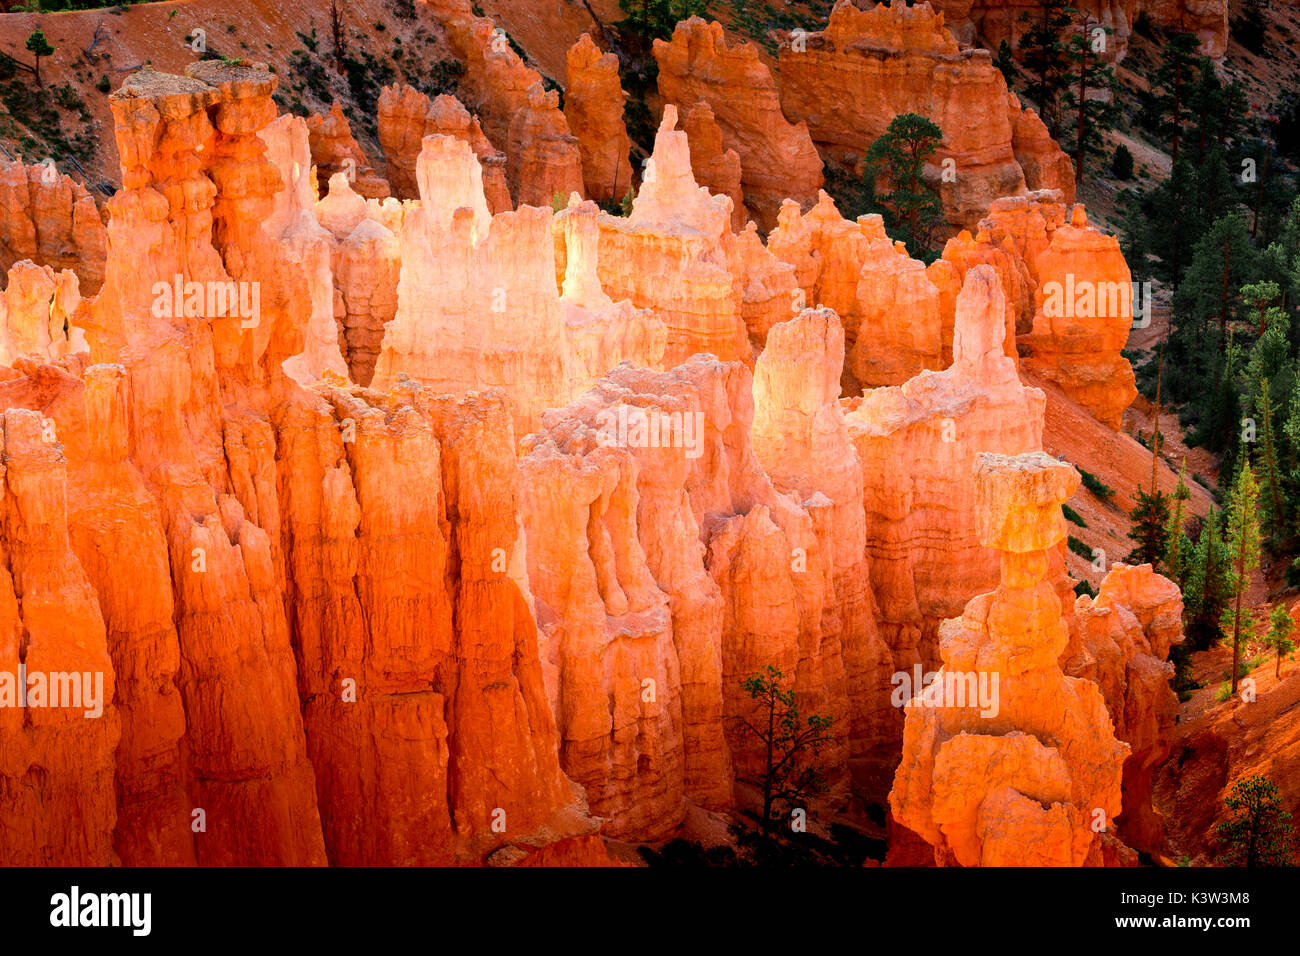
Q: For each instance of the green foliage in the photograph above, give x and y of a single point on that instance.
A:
(1073, 516)
(1178, 547)
(1005, 61)
(1045, 57)
(1079, 548)
(1150, 517)
(1092, 115)
(1243, 540)
(1180, 655)
(790, 743)
(656, 19)
(1279, 638)
(1121, 163)
(909, 202)
(1098, 487)
(1173, 81)
(1258, 833)
(1207, 591)
(1082, 588)
(38, 47)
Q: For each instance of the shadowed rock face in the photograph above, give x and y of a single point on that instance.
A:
(393, 570)
(989, 22)
(849, 81)
(51, 220)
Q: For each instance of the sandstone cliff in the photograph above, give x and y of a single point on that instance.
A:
(850, 80)
(50, 219)
(1023, 774)
(777, 158)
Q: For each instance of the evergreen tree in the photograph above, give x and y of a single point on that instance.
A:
(656, 19)
(1089, 93)
(1121, 165)
(38, 47)
(1243, 543)
(1259, 832)
(1150, 517)
(898, 158)
(789, 743)
(1278, 639)
(1178, 547)
(1043, 52)
(1178, 72)
(1005, 61)
(1207, 592)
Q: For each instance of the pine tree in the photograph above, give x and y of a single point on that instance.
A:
(38, 47)
(1174, 79)
(1259, 832)
(1207, 591)
(1243, 541)
(1005, 61)
(1089, 93)
(1278, 639)
(1043, 52)
(911, 206)
(1178, 547)
(1150, 517)
(790, 743)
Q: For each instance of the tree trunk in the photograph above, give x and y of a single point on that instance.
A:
(1083, 92)
(1259, 190)
(1155, 437)
(767, 774)
(1236, 614)
(1223, 306)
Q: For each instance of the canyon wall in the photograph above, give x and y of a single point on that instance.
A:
(457, 546)
(777, 158)
(847, 82)
(52, 220)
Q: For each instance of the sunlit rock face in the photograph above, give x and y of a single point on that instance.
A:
(989, 22)
(670, 255)
(36, 311)
(1084, 307)
(918, 444)
(274, 557)
(1070, 298)
(477, 300)
(677, 570)
(802, 440)
(1021, 774)
(453, 528)
(850, 80)
(777, 158)
(593, 106)
(714, 166)
(406, 116)
(51, 220)
(890, 307)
